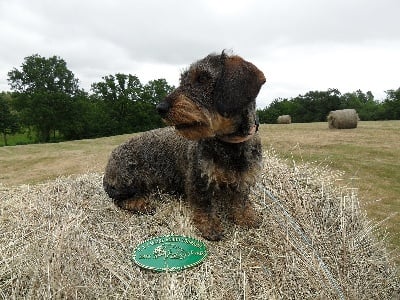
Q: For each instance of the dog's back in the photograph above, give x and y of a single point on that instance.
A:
(155, 159)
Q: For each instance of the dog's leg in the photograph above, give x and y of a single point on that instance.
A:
(128, 198)
(243, 212)
(207, 222)
(204, 216)
(140, 206)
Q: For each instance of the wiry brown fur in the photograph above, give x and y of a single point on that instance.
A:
(215, 154)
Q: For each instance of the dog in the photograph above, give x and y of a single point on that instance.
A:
(209, 152)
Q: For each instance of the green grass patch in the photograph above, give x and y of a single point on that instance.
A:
(17, 139)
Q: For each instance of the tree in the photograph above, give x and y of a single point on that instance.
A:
(80, 118)
(44, 89)
(119, 93)
(277, 108)
(391, 105)
(364, 103)
(8, 119)
(127, 105)
(314, 106)
(152, 94)
(155, 91)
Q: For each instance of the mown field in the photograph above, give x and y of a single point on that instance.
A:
(369, 156)
(62, 237)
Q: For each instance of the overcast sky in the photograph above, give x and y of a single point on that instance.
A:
(300, 45)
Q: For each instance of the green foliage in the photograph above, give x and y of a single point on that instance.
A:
(392, 105)
(46, 75)
(314, 106)
(127, 105)
(275, 109)
(152, 94)
(119, 93)
(47, 98)
(48, 102)
(44, 90)
(365, 105)
(9, 123)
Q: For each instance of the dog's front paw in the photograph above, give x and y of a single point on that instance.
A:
(140, 206)
(247, 217)
(209, 226)
(211, 234)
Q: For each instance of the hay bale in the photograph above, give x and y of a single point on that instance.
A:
(284, 119)
(343, 119)
(65, 239)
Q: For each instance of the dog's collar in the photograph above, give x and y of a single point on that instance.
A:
(236, 139)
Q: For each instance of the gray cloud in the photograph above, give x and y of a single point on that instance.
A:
(300, 45)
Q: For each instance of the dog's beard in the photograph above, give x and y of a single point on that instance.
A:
(195, 131)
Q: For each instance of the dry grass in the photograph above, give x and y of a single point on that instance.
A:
(65, 239)
(39, 162)
(369, 155)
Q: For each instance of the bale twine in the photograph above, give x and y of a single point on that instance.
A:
(284, 119)
(343, 119)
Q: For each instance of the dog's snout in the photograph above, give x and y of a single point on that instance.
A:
(163, 108)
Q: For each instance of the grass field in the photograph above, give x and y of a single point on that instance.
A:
(369, 155)
(17, 139)
(65, 239)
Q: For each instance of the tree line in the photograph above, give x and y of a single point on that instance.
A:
(47, 101)
(314, 106)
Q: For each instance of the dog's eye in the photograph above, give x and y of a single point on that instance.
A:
(203, 77)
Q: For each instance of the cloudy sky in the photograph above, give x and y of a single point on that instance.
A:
(300, 45)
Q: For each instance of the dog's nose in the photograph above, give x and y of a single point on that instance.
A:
(163, 108)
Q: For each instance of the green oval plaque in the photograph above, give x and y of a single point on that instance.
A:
(169, 253)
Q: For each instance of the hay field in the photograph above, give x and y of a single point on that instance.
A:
(64, 239)
(369, 155)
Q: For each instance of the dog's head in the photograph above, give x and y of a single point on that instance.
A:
(215, 98)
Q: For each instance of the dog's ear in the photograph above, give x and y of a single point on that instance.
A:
(238, 85)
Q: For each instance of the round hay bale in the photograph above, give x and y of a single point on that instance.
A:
(343, 119)
(284, 119)
(66, 239)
